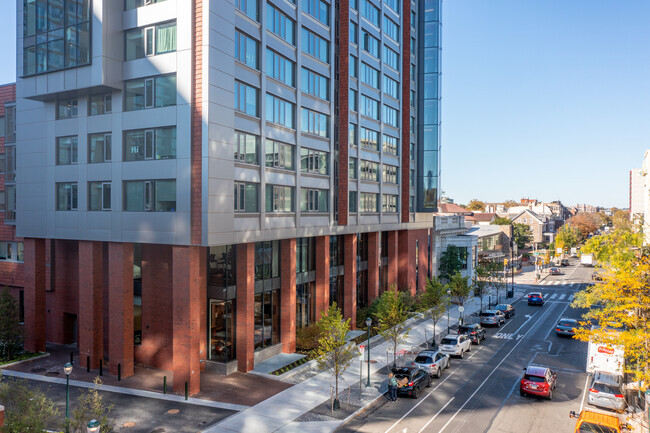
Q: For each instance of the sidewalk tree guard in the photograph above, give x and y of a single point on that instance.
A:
(391, 317)
(334, 352)
(433, 300)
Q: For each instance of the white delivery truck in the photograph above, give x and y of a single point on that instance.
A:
(587, 260)
(604, 357)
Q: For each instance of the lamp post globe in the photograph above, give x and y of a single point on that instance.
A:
(368, 323)
(93, 426)
(67, 369)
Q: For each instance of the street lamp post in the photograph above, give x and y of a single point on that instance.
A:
(448, 305)
(368, 323)
(68, 370)
(93, 426)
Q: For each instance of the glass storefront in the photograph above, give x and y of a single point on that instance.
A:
(305, 300)
(222, 292)
(222, 330)
(267, 319)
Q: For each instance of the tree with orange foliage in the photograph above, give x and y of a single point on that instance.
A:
(585, 223)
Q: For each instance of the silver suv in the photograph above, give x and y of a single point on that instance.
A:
(456, 345)
(606, 391)
(432, 361)
(492, 317)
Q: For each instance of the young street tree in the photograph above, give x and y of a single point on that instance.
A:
(434, 301)
(480, 283)
(451, 261)
(391, 315)
(26, 409)
(91, 405)
(460, 289)
(10, 335)
(334, 352)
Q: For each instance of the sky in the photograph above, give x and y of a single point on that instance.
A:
(545, 99)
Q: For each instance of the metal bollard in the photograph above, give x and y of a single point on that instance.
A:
(119, 372)
(185, 390)
(164, 384)
(101, 366)
(87, 364)
(71, 360)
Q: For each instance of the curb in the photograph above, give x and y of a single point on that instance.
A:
(34, 358)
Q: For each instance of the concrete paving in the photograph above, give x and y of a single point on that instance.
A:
(276, 362)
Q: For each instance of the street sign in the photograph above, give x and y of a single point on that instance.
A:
(461, 308)
(558, 251)
(362, 349)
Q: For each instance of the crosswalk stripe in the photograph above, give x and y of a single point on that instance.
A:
(570, 298)
(557, 283)
(553, 296)
(561, 297)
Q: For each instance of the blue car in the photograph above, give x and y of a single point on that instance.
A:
(535, 298)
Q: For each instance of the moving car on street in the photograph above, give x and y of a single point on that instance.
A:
(474, 331)
(507, 310)
(564, 262)
(432, 361)
(456, 345)
(535, 298)
(411, 380)
(492, 318)
(606, 391)
(554, 271)
(537, 380)
(566, 327)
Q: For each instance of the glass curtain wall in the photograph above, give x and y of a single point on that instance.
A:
(362, 270)
(336, 270)
(305, 281)
(267, 294)
(222, 292)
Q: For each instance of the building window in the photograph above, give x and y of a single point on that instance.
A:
(267, 319)
(390, 174)
(369, 75)
(279, 155)
(391, 29)
(246, 148)
(352, 134)
(2, 169)
(317, 9)
(315, 84)
(411, 205)
(370, 43)
(369, 107)
(391, 58)
(267, 260)
(314, 200)
(315, 46)
(354, 67)
(313, 161)
(10, 157)
(246, 197)
(56, 35)
(142, 144)
(370, 12)
(315, 123)
(412, 151)
(369, 139)
(246, 99)
(66, 150)
(12, 251)
(280, 68)
(354, 32)
(67, 108)
(352, 168)
(10, 202)
(279, 111)
(280, 24)
(246, 49)
(411, 177)
(100, 104)
(412, 98)
(66, 196)
(305, 303)
(132, 4)
(150, 196)
(391, 87)
(352, 100)
(9, 124)
(390, 116)
(222, 330)
(390, 145)
(352, 206)
(368, 202)
(249, 8)
(99, 196)
(150, 41)
(152, 92)
(222, 266)
(369, 171)
(279, 198)
(389, 203)
(99, 148)
(394, 5)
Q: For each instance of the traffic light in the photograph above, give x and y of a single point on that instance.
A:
(505, 262)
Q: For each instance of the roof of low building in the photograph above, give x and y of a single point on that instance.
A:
(453, 208)
(481, 217)
(482, 231)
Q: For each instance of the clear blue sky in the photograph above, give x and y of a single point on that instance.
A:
(547, 99)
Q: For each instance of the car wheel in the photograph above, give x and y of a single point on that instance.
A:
(438, 372)
(416, 392)
(448, 363)
(522, 393)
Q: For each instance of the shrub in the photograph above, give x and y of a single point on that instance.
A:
(307, 339)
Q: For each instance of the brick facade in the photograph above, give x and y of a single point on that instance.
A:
(350, 279)
(246, 306)
(322, 275)
(288, 295)
(373, 266)
(91, 290)
(120, 328)
(35, 319)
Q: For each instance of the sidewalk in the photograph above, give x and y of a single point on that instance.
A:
(301, 408)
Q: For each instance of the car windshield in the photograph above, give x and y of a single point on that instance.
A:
(487, 314)
(501, 307)
(420, 359)
(566, 323)
(465, 329)
(447, 340)
(601, 387)
(531, 378)
(587, 427)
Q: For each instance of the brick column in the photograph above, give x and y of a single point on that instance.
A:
(246, 306)
(322, 275)
(120, 301)
(406, 260)
(423, 260)
(373, 266)
(350, 279)
(91, 302)
(288, 295)
(186, 313)
(393, 251)
(34, 268)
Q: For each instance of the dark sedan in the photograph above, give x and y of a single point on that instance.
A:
(507, 310)
(474, 331)
(566, 327)
(554, 271)
(411, 380)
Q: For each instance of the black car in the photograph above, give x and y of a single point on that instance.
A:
(411, 380)
(474, 331)
(564, 262)
(507, 310)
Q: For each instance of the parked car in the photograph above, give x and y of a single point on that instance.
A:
(606, 391)
(411, 380)
(596, 276)
(456, 345)
(474, 331)
(566, 327)
(537, 380)
(564, 262)
(432, 361)
(535, 298)
(507, 310)
(554, 271)
(590, 421)
(492, 318)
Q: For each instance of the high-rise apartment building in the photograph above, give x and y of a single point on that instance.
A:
(636, 194)
(198, 179)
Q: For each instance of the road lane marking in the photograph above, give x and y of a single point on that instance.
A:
(495, 369)
(571, 298)
(553, 296)
(584, 394)
(561, 297)
(437, 413)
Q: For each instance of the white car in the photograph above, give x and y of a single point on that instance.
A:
(455, 345)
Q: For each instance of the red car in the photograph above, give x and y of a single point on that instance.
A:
(540, 381)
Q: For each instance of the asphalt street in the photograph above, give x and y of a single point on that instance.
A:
(480, 393)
